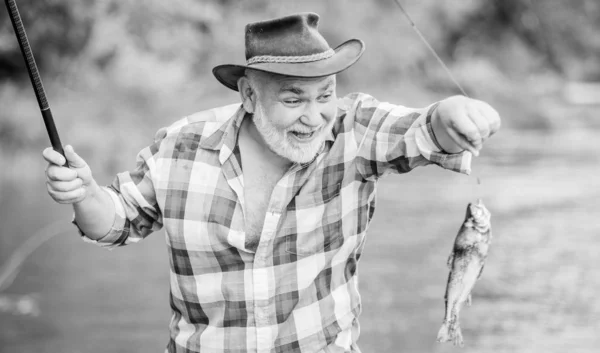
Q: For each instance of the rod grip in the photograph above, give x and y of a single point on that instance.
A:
(53, 134)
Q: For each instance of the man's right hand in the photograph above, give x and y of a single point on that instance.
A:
(68, 185)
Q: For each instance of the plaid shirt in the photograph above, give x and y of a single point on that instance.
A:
(298, 290)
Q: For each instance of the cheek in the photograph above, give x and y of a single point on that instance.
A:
(330, 111)
(282, 117)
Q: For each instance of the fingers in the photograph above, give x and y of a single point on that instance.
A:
(480, 122)
(465, 133)
(53, 157)
(74, 159)
(66, 197)
(66, 192)
(56, 173)
(65, 186)
(491, 116)
(462, 142)
(470, 123)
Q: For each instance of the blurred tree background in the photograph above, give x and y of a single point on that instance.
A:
(115, 71)
(110, 65)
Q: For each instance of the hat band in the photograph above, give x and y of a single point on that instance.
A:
(290, 59)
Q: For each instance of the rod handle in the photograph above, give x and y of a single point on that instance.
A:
(53, 134)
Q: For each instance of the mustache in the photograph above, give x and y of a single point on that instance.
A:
(302, 130)
(299, 128)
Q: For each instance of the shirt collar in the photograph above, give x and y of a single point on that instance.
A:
(330, 136)
(224, 139)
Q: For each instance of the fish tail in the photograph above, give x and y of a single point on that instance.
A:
(458, 338)
(444, 332)
(450, 331)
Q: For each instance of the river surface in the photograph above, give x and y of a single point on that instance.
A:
(538, 291)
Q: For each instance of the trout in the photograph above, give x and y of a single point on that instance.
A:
(466, 265)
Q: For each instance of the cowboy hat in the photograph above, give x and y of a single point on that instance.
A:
(291, 46)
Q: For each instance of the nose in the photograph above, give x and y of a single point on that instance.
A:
(312, 116)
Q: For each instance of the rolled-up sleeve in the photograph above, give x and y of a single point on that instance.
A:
(118, 234)
(396, 139)
(136, 210)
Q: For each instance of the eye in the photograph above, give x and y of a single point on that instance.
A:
(292, 101)
(325, 97)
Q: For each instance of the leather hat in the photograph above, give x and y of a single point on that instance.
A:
(291, 46)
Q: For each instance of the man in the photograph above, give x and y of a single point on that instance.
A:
(266, 204)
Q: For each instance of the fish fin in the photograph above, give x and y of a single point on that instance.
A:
(469, 223)
(469, 300)
(444, 332)
(450, 332)
(458, 338)
(450, 260)
(481, 270)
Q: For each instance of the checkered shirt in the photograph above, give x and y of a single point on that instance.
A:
(297, 291)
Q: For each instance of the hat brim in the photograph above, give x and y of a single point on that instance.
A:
(346, 54)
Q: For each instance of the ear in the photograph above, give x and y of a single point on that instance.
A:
(247, 94)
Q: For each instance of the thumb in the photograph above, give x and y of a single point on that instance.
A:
(73, 158)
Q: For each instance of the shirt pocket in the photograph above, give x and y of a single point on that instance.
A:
(318, 222)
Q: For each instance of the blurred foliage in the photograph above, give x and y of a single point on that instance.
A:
(557, 35)
(124, 65)
(563, 34)
(98, 32)
(56, 29)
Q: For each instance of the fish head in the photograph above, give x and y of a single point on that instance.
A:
(478, 216)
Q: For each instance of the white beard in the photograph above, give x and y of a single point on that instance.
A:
(281, 144)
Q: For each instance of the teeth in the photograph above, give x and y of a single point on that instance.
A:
(302, 134)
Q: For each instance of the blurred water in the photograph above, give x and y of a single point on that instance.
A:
(538, 286)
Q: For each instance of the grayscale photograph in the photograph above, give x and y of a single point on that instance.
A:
(228, 176)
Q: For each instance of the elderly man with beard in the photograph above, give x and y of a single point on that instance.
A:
(266, 204)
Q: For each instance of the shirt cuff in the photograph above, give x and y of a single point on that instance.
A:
(430, 148)
(430, 126)
(118, 232)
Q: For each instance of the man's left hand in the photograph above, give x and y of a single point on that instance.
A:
(460, 123)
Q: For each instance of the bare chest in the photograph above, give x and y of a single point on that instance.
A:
(259, 183)
(262, 171)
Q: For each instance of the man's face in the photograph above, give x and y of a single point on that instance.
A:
(294, 115)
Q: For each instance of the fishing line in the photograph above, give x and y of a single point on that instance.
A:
(10, 269)
(437, 57)
(414, 27)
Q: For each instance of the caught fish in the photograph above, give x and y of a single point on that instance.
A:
(466, 265)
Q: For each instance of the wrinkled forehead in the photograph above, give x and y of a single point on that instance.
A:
(278, 84)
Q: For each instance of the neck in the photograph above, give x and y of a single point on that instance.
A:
(259, 146)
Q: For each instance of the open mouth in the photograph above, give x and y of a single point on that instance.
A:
(302, 136)
(480, 215)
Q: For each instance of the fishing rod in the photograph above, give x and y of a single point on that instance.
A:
(34, 75)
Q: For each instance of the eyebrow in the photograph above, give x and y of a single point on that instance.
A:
(328, 86)
(292, 89)
(297, 90)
